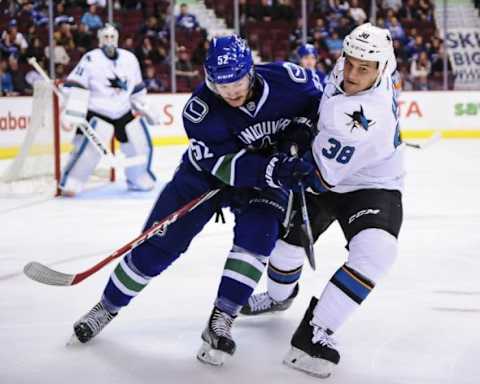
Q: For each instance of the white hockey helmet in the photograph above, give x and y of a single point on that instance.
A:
(371, 43)
(108, 40)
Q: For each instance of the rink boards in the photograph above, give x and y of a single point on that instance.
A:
(456, 114)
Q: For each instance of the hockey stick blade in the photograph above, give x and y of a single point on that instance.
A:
(307, 229)
(432, 140)
(45, 275)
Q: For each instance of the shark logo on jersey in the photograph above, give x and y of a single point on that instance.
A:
(359, 120)
(118, 83)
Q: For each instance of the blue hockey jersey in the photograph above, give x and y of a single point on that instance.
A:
(229, 142)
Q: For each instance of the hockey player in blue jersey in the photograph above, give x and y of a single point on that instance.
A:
(234, 122)
(308, 59)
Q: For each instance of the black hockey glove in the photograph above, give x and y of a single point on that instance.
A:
(299, 133)
(286, 171)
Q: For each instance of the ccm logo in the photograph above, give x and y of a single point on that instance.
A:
(361, 213)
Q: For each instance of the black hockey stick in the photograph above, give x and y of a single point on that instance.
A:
(307, 228)
(43, 274)
(432, 140)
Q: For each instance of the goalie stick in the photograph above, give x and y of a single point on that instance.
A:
(45, 275)
(87, 130)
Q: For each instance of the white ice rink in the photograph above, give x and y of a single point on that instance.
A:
(420, 325)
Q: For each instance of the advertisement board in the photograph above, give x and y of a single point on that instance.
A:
(455, 113)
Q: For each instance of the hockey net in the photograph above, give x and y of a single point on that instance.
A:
(36, 169)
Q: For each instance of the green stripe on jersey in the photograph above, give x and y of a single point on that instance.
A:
(224, 171)
(127, 281)
(243, 268)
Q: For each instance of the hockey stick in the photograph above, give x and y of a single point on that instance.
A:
(86, 128)
(307, 228)
(45, 275)
(432, 140)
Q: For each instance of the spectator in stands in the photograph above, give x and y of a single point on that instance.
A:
(319, 31)
(91, 19)
(6, 84)
(36, 49)
(159, 54)
(284, 10)
(345, 26)
(151, 28)
(200, 52)
(420, 69)
(415, 45)
(357, 13)
(152, 81)
(38, 13)
(61, 16)
(396, 29)
(64, 36)
(263, 11)
(12, 40)
(184, 67)
(391, 4)
(186, 20)
(100, 3)
(20, 86)
(129, 44)
(334, 44)
(144, 52)
(82, 38)
(60, 55)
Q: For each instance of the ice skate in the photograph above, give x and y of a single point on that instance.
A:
(218, 344)
(313, 348)
(90, 325)
(263, 303)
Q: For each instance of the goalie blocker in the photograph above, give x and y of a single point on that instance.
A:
(135, 141)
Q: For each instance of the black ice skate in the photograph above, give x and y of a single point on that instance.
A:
(263, 303)
(218, 344)
(90, 325)
(312, 348)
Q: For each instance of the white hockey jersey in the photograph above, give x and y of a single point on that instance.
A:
(110, 82)
(358, 144)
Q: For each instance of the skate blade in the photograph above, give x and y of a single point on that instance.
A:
(73, 341)
(206, 354)
(313, 366)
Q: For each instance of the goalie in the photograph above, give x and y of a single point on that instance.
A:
(104, 89)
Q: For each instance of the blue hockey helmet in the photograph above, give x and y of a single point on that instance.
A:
(228, 59)
(307, 49)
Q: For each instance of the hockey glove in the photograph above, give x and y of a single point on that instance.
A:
(286, 171)
(312, 181)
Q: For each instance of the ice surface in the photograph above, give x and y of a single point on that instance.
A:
(421, 324)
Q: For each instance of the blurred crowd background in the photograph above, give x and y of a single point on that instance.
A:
(272, 27)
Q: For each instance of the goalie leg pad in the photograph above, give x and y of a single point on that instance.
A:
(139, 176)
(84, 158)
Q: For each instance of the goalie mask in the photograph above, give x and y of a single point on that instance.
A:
(371, 43)
(229, 59)
(108, 40)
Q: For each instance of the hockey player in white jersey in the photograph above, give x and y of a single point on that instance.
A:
(359, 181)
(106, 89)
